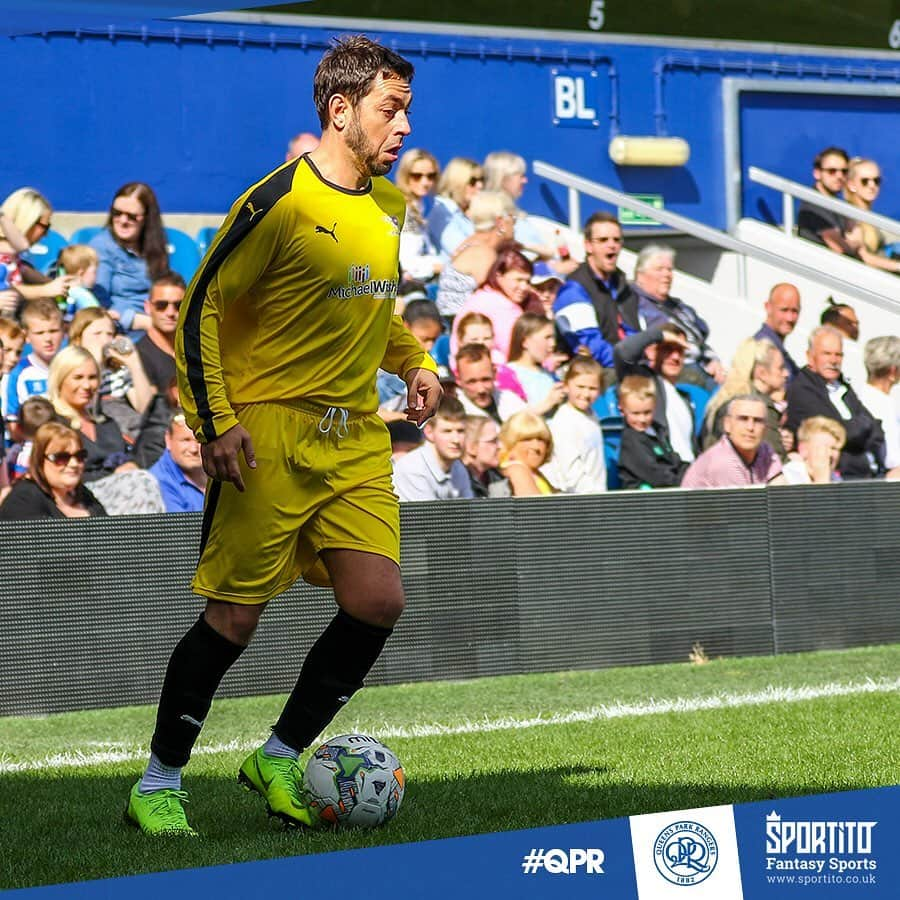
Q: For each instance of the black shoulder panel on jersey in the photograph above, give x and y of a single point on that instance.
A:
(257, 205)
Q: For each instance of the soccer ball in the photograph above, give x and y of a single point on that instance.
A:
(354, 780)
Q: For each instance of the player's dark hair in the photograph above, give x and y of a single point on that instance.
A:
(829, 151)
(169, 279)
(421, 311)
(350, 67)
(600, 218)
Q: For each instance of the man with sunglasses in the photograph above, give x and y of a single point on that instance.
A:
(822, 226)
(157, 348)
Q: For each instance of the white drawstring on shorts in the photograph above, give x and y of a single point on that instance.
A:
(327, 421)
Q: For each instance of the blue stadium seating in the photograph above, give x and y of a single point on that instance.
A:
(205, 238)
(84, 235)
(43, 254)
(699, 398)
(184, 255)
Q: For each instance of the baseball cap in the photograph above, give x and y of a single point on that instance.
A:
(543, 273)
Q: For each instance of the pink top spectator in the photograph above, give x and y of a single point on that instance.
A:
(722, 467)
(502, 312)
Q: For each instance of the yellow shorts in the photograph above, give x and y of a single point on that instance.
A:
(309, 492)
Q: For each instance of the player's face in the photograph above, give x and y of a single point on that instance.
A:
(184, 447)
(638, 412)
(477, 381)
(45, 336)
(79, 387)
(96, 336)
(378, 124)
(582, 391)
(448, 437)
(12, 352)
(164, 305)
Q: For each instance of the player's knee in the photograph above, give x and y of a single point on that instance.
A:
(382, 608)
(233, 621)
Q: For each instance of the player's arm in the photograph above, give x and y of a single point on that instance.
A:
(405, 357)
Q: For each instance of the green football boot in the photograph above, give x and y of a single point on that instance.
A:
(277, 781)
(158, 812)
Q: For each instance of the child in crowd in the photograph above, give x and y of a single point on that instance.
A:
(12, 339)
(477, 328)
(530, 345)
(526, 444)
(578, 465)
(646, 458)
(43, 323)
(35, 411)
(80, 261)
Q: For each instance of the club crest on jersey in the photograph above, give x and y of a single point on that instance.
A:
(394, 222)
(360, 284)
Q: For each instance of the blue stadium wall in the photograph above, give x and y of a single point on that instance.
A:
(200, 110)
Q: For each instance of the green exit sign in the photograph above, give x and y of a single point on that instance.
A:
(629, 217)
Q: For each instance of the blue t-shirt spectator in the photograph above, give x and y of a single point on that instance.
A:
(179, 493)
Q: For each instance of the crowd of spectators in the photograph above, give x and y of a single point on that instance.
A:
(560, 376)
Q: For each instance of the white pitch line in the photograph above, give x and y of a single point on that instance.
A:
(121, 753)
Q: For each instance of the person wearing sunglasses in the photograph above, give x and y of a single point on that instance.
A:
(861, 190)
(417, 175)
(132, 251)
(54, 486)
(821, 226)
(156, 348)
(448, 222)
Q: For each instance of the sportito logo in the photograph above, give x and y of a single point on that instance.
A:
(685, 853)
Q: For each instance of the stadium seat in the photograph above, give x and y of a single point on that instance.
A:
(612, 442)
(184, 255)
(440, 352)
(699, 398)
(205, 238)
(84, 235)
(607, 404)
(43, 254)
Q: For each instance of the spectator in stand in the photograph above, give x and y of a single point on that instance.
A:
(758, 369)
(861, 190)
(578, 463)
(151, 441)
(482, 458)
(782, 312)
(530, 349)
(43, 323)
(653, 273)
(305, 142)
(505, 171)
(54, 487)
(448, 222)
(504, 296)
(741, 457)
(35, 411)
(658, 353)
(132, 251)
(157, 347)
(125, 391)
(596, 307)
(526, 445)
(435, 471)
(819, 443)
(405, 437)
(477, 328)
(882, 360)
(417, 174)
(820, 390)
(546, 284)
(821, 226)
(80, 262)
(179, 470)
(646, 458)
(493, 220)
(24, 220)
(12, 340)
(480, 395)
(843, 317)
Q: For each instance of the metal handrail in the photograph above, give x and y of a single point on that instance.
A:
(576, 184)
(790, 189)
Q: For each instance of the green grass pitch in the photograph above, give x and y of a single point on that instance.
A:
(480, 756)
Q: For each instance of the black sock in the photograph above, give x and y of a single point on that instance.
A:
(197, 665)
(333, 671)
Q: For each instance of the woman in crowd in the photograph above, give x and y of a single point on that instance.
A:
(505, 294)
(526, 444)
(132, 251)
(54, 486)
(24, 220)
(448, 222)
(125, 391)
(493, 219)
(417, 174)
(862, 189)
(758, 368)
(532, 343)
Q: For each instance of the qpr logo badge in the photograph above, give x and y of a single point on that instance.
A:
(685, 853)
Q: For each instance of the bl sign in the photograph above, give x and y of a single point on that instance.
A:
(575, 98)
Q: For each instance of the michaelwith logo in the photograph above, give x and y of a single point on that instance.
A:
(360, 284)
(814, 846)
(685, 853)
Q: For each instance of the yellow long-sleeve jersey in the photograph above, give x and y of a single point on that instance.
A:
(295, 301)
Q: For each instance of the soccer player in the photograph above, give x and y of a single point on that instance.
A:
(282, 331)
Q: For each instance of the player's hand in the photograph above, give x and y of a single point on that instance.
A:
(220, 456)
(425, 393)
